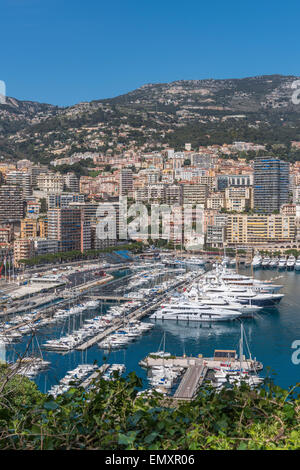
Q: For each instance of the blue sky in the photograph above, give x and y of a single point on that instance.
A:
(67, 51)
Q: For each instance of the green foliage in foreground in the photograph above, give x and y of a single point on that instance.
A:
(111, 416)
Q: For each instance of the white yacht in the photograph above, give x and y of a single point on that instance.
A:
(194, 262)
(225, 261)
(256, 262)
(274, 262)
(244, 295)
(266, 262)
(230, 277)
(194, 311)
(229, 304)
(290, 264)
(282, 263)
(297, 264)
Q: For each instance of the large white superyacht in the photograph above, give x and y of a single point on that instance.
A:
(184, 309)
(243, 295)
(231, 278)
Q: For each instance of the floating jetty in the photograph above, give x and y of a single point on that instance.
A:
(100, 371)
(191, 382)
(198, 369)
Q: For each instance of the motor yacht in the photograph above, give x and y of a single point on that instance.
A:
(194, 311)
(290, 264)
(282, 263)
(256, 262)
(297, 264)
(274, 262)
(266, 262)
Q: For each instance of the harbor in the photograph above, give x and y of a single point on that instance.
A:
(120, 327)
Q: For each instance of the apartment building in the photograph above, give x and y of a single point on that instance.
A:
(6, 234)
(63, 200)
(243, 180)
(35, 171)
(89, 185)
(64, 225)
(288, 209)
(189, 174)
(216, 201)
(43, 246)
(259, 229)
(173, 194)
(126, 182)
(43, 227)
(271, 184)
(71, 182)
(50, 182)
(215, 236)
(153, 192)
(33, 208)
(21, 179)
(11, 203)
(194, 193)
(110, 226)
(29, 228)
(238, 199)
(23, 249)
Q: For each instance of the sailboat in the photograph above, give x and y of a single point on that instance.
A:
(226, 375)
(242, 376)
(161, 353)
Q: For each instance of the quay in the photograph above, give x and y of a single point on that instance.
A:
(111, 297)
(95, 374)
(190, 383)
(198, 369)
(249, 365)
(27, 306)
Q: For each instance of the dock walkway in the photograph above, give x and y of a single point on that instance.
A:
(191, 381)
(95, 374)
(137, 314)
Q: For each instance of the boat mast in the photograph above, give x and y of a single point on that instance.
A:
(241, 346)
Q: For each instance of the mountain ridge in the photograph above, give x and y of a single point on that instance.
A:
(153, 115)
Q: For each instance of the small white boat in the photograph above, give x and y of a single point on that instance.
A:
(265, 262)
(297, 264)
(282, 263)
(290, 264)
(256, 262)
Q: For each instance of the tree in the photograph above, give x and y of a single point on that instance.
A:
(44, 206)
(113, 417)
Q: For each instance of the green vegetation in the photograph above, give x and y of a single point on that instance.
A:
(111, 417)
(291, 251)
(81, 168)
(242, 112)
(44, 206)
(78, 255)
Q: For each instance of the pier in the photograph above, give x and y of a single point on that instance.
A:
(190, 383)
(248, 365)
(137, 314)
(112, 297)
(101, 370)
(198, 369)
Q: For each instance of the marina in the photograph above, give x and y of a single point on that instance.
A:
(120, 324)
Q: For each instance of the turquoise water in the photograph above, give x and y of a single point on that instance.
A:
(270, 337)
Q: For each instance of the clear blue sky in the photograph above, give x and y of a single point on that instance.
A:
(66, 51)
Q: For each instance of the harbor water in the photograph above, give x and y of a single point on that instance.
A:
(270, 336)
